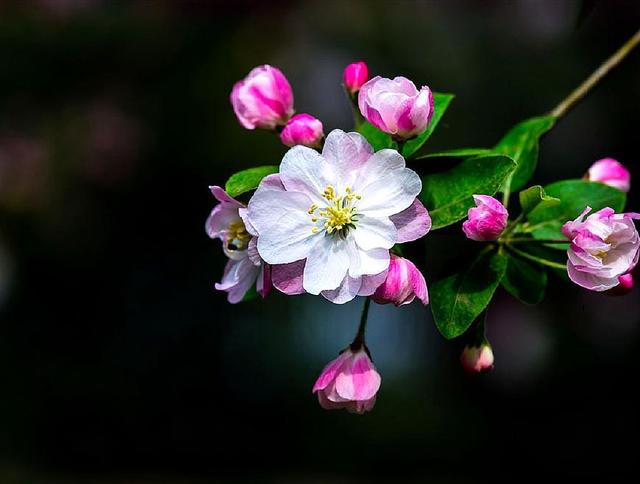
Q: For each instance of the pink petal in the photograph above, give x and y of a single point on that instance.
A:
(412, 223)
(287, 278)
(330, 371)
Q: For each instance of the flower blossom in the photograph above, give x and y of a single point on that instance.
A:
(263, 99)
(395, 106)
(477, 359)
(486, 220)
(331, 218)
(244, 267)
(610, 172)
(302, 129)
(603, 247)
(354, 76)
(403, 283)
(350, 381)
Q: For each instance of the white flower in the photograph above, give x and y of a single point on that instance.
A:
(340, 212)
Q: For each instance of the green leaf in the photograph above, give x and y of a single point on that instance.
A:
(455, 153)
(448, 195)
(375, 137)
(441, 102)
(521, 144)
(458, 300)
(525, 281)
(546, 221)
(251, 294)
(535, 196)
(247, 180)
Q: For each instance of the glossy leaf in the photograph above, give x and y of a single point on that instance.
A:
(455, 153)
(535, 196)
(525, 280)
(441, 102)
(376, 138)
(521, 143)
(546, 221)
(448, 195)
(248, 180)
(458, 300)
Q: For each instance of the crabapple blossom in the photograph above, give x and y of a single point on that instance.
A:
(603, 247)
(477, 359)
(244, 267)
(302, 129)
(354, 76)
(331, 218)
(610, 172)
(350, 381)
(403, 283)
(486, 220)
(263, 99)
(395, 106)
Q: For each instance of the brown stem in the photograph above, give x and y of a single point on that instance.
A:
(578, 93)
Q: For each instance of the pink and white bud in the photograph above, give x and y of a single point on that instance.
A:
(395, 106)
(603, 247)
(477, 359)
(350, 381)
(487, 220)
(263, 99)
(354, 76)
(303, 129)
(403, 284)
(610, 172)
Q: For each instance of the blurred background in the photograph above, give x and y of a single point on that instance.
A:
(119, 361)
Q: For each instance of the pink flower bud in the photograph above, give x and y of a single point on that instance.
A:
(603, 247)
(610, 172)
(623, 288)
(396, 106)
(350, 381)
(486, 220)
(302, 129)
(477, 359)
(263, 99)
(403, 283)
(355, 75)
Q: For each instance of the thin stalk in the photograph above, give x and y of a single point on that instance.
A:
(539, 260)
(597, 75)
(358, 341)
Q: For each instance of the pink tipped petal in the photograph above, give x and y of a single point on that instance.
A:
(358, 379)
(403, 283)
(612, 173)
(287, 278)
(412, 223)
(354, 76)
(330, 371)
(302, 129)
(487, 220)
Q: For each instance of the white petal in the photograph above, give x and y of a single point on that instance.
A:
(346, 291)
(327, 264)
(267, 206)
(372, 233)
(378, 166)
(346, 152)
(288, 239)
(390, 194)
(367, 262)
(304, 170)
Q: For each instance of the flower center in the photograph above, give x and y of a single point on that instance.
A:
(237, 236)
(338, 216)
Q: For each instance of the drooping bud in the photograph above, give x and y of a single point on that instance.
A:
(477, 359)
(610, 172)
(354, 76)
(395, 106)
(263, 99)
(302, 129)
(350, 381)
(486, 220)
(403, 284)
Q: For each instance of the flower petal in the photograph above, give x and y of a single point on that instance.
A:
(327, 264)
(330, 371)
(289, 239)
(391, 194)
(358, 379)
(238, 277)
(374, 233)
(305, 170)
(412, 223)
(287, 278)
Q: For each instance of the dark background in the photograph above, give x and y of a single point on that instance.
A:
(120, 363)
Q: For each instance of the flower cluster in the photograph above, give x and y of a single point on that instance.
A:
(332, 216)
